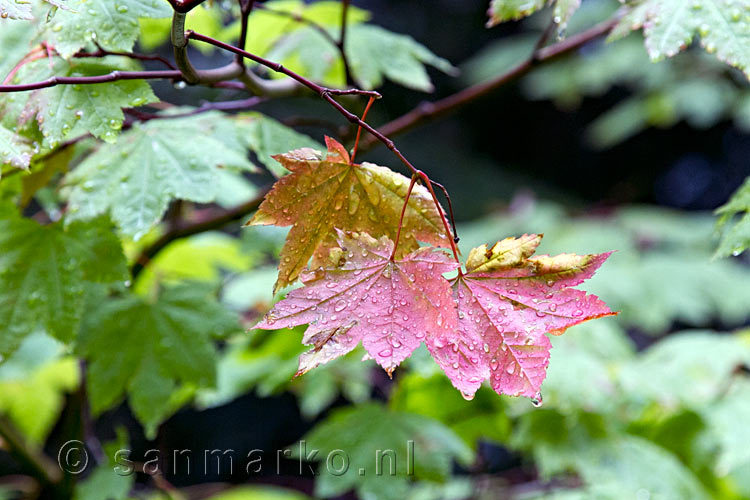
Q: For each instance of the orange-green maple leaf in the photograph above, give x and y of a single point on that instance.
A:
(321, 194)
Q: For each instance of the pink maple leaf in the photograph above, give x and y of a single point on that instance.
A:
(388, 305)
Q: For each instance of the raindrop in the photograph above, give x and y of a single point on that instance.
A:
(537, 400)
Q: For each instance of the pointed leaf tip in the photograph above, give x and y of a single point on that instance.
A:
(336, 151)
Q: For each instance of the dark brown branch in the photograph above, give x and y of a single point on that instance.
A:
(432, 110)
(88, 80)
(199, 227)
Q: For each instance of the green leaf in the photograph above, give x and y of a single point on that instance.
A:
(670, 25)
(266, 362)
(72, 110)
(734, 219)
(590, 352)
(435, 397)
(346, 377)
(375, 439)
(267, 137)
(43, 173)
(109, 481)
(510, 10)
(374, 54)
(693, 368)
(623, 467)
(199, 258)
(44, 271)
(249, 290)
(149, 349)
(112, 25)
(152, 164)
(728, 419)
(611, 465)
(259, 493)
(104, 484)
(35, 350)
(15, 150)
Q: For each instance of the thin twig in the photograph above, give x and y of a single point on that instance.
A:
(88, 80)
(450, 208)
(430, 110)
(246, 7)
(359, 130)
(413, 181)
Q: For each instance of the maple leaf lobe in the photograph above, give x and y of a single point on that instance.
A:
(506, 304)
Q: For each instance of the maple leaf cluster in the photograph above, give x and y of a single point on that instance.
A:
(489, 322)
